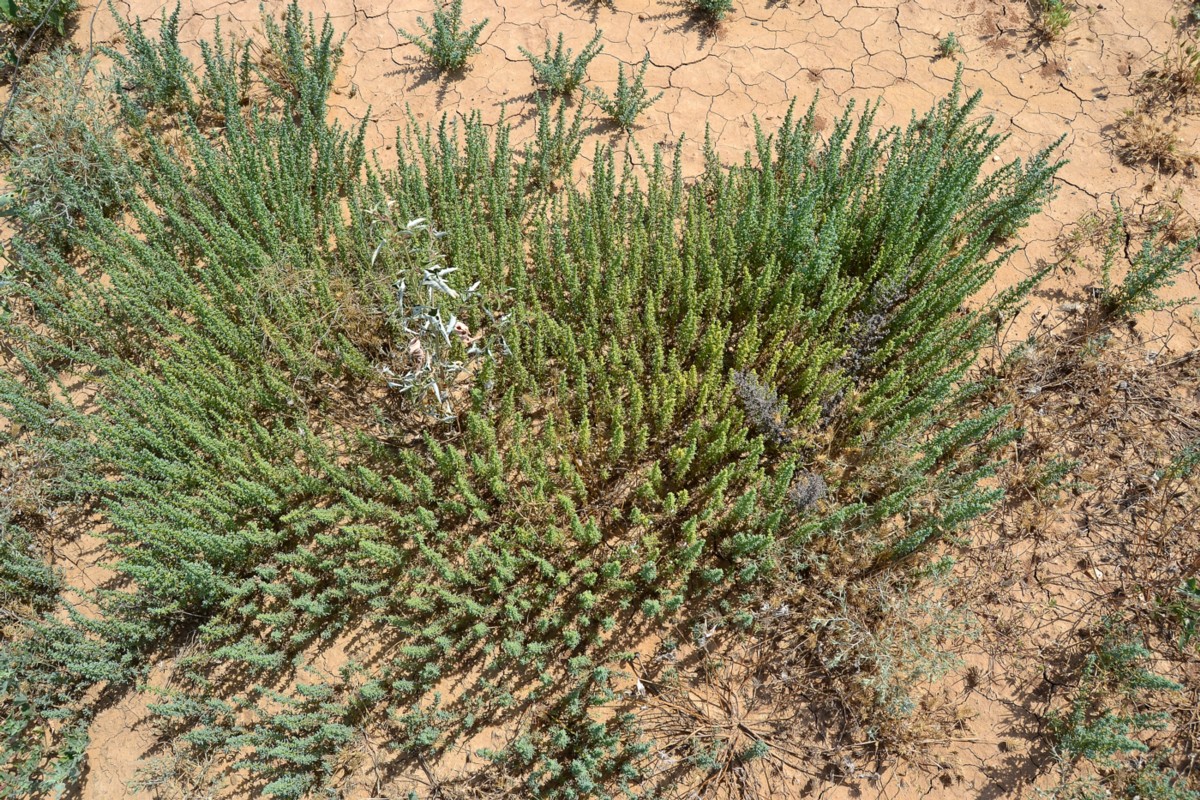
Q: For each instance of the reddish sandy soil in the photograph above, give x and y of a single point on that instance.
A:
(1034, 582)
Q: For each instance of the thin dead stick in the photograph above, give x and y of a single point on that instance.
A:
(374, 760)
(853, 745)
(1188, 356)
(435, 785)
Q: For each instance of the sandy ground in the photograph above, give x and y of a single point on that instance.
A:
(763, 57)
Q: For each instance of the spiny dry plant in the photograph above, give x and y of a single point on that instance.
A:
(63, 126)
(1151, 132)
(1145, 138)
(1172, 218)
(259, 319)
(1174, 81)
(723, 734)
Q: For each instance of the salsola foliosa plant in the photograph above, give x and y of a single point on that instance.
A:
(559, 70)
(208, 374)
(446, 43)
(949, 46)
(630, 99)
(712, 10)
(556, 144)
(32, 17)
(152, 74)
(1106, 721)
(1114, 674)
(1153, 267)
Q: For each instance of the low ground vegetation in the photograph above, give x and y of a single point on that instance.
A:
(1151, 132)
(446, 42)
(518, 446)
(560, 71)
(630, 98)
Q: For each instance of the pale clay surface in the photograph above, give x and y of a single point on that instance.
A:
(764, 56)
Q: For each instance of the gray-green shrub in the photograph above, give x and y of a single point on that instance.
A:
(630, 99)
(446, 43)
(559, 70)
(34, 16)
(262, 489)
(1105, 722)
(62, 133)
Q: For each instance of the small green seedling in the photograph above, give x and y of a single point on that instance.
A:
(949, 46)
(1053, 19)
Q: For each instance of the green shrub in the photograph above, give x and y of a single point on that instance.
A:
(261, 487)
(446, 44)
(949, 46)
(62, 132)
(714, 10)
(47, 667)
(560, 71)
(557, 143)
(29, 16)
(1105, 722)
(1051, 18)
(630, 99)
(152, 74)
(1154, 267)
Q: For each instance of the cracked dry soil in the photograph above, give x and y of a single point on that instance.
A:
(766, 55)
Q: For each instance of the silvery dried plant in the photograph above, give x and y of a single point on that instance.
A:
(765, 411)
(808, 490)
(442, 350)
